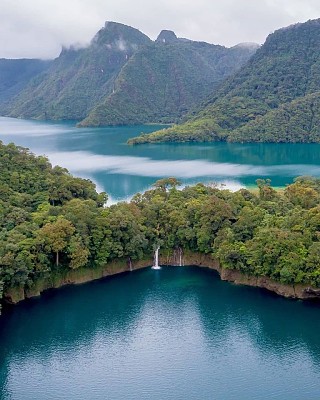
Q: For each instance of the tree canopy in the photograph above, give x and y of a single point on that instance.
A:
(46, 230)
(273, 98)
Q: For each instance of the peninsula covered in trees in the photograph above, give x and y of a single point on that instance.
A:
(275, 97)
(246, 93)
(52, 222)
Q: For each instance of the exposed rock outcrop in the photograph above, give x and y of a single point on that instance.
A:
(173, 258)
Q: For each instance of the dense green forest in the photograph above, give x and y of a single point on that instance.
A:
(15, 75)
(123, 77)
(273, 98)
(79, 78)
(163, 81)
(52, 221)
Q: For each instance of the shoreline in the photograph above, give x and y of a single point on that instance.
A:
(15, 295)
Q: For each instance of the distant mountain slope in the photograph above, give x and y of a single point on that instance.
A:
(162, 81)
(274, 97)
(16, 74)
(79, 78)
(125, 78)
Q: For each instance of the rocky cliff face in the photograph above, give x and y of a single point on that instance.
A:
(298, 291)
(175, 258)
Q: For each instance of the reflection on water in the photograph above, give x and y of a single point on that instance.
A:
(171, 334)
(178, 333)
(102, 155)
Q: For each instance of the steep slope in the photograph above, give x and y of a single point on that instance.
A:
(163, 81)
(79, 78)
(296, 121)
(273, 98)
(16, 74)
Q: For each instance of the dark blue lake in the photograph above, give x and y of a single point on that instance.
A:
(177, 333)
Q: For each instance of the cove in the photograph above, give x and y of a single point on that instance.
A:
(102, 155)
(173, 333)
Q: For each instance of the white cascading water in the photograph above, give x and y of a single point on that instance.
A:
(156, 259)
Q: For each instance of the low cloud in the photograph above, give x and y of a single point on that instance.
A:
(86, 162)
(38, 28)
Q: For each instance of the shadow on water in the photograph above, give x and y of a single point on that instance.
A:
(185, 315)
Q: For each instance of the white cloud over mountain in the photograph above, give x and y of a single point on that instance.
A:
(38, 28)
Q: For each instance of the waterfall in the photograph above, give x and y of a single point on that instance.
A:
(156, 259)
(130, 264)
(177, 258)
(180, 257)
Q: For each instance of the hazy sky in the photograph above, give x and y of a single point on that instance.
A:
(38, 28)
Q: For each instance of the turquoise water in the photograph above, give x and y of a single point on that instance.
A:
(102, 155)
(178, 333)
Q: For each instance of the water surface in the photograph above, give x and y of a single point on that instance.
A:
(102, 155)
(177, 333)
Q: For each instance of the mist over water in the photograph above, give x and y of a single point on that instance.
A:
(102, 155)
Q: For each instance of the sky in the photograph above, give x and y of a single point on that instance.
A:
(39, 28)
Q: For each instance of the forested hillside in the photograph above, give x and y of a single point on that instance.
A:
(123, 77)
(16, 74)
(163, 81)
(273, 98)
(79, 78)
(52, 222)
(32, 195)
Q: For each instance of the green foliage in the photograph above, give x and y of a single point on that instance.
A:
(79, 78)
(161, 82)
(43, 212)
(45, 231)
(274, 98)
(122, 77)
(55, 236)
(16, 74)
(167, 183)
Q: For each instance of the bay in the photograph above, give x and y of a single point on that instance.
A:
(177, 333)
(102, 155)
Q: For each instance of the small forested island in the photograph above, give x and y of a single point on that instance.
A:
(56, 229)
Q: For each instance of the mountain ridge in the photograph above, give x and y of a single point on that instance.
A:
(285, 69)
(79, 78)
(186, 73)
(123, 77)
(15, 74)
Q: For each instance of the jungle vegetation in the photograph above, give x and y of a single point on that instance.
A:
(51, 221)
(15, 75)
(123, 77)
(164, 80)
(275, 97)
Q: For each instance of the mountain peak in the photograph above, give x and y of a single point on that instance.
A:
(167, 36)
(247, 45)
(120, 36)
